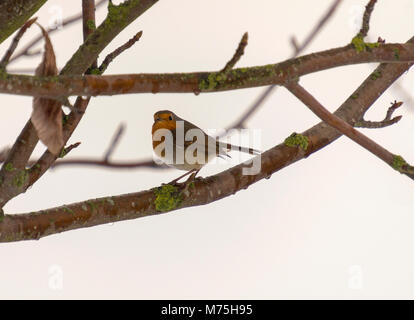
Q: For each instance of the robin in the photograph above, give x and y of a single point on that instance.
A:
(183, 145)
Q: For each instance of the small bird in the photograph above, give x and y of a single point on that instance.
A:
(183, 145)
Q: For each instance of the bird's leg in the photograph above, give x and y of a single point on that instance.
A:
(193, 175)
(190, 179)
(193, 172)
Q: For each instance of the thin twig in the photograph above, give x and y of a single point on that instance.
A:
(237, 55)
(26, 50)
(240, 123)
(318, 27)
(114, 142)
(348, 130)
(384, 123)
(134, 164)
(366, 18)
(108, 59)
(68, 149)
(15, 42)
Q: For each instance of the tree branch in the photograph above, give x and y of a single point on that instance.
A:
(348, 130)
(384, 123)
(366, 18)
(237, 55)
(15, 42)
(13, 14)
(110, 57)
(279, 73)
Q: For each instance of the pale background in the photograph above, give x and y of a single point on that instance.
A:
(336, 225)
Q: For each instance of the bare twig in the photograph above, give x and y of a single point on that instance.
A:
(384, 123)
(365, 20)
(26, 49)
(15, 42)
(240, 123)
(68, 149)
(348, 130)
(237, 55)
(318, 27)
(114, 142)
(108, 59)
(134, 164)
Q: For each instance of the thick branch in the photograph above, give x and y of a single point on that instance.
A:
(202, 81)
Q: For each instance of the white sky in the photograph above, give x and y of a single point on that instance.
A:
(336, 225)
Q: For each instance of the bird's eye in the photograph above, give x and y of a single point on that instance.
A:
(170, 118)
(158, 119)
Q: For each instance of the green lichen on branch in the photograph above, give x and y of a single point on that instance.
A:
(213, 80)
(9, 167)
(296, 139)
(92, 205)
(167, 198)
(375, 75)
(20, 178)
(360, 45)
(398, 163)
(96, 71)
(236, 77)
(68, 210)
(91, 25)
(396, 54)
(62, 153)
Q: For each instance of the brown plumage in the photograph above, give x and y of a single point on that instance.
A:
(190, 159)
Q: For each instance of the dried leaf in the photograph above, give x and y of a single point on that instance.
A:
(47, 113)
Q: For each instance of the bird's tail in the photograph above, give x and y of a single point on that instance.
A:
(232, 147)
